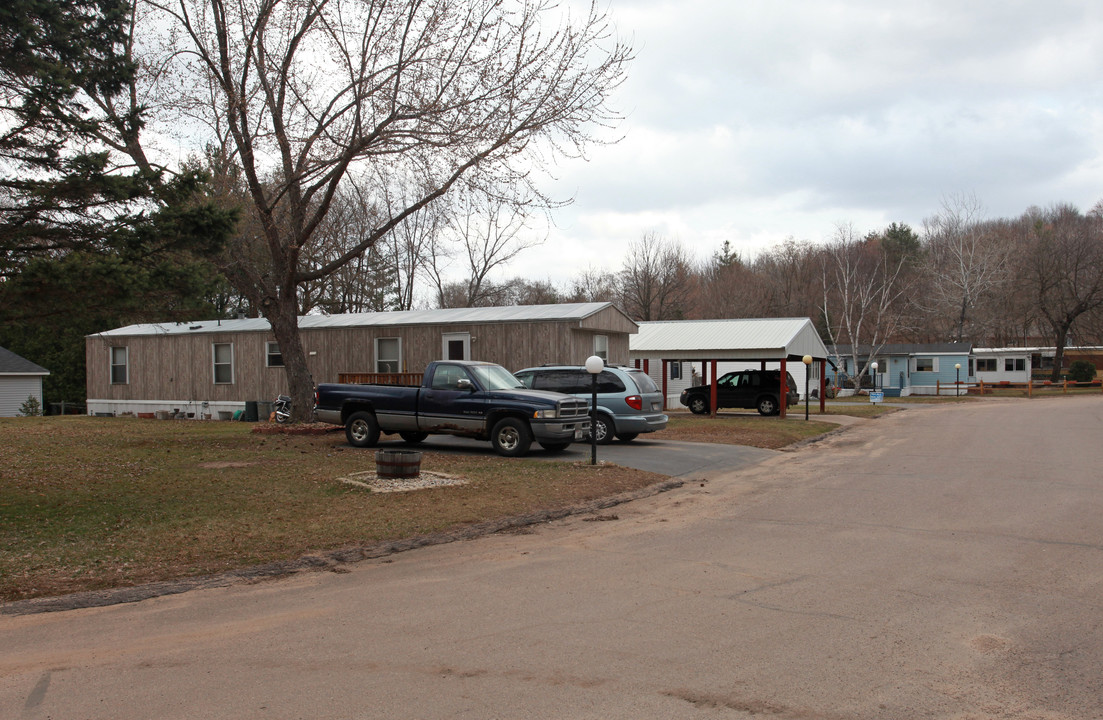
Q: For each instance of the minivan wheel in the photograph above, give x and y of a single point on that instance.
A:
(604, 427)
(767, 406)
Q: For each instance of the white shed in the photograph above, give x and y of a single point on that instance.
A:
(680, 353)
(19, 379)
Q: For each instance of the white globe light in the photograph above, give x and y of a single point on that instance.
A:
(807, 359)
(594, 364)
(874, 366)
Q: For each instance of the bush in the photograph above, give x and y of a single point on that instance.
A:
(31, 406)
(1081, 371)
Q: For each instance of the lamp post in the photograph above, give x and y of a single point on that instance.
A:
(957, 379)
(873, 366)
(594, 366)
(807, 360)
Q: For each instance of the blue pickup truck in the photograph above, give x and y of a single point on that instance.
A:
(472, 399)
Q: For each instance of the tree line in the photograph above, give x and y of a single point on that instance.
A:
(342, 154)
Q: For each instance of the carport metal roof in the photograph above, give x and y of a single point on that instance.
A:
(741, 339)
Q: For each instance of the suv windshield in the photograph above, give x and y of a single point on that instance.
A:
(495, 377)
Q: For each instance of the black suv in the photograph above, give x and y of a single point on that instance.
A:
(758, 389)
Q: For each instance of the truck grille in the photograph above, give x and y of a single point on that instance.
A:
(573, 408)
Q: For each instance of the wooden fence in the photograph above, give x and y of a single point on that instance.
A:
(980, 388)
(379, 378)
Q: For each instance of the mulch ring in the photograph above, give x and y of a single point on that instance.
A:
(272, 428)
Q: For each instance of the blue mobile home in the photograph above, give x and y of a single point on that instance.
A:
(902, 368)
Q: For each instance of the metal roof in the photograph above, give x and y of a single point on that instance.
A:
(515, 313)
(739, 339)
(12, 364)
(947, 348)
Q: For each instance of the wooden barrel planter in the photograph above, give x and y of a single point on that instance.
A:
(397, 464)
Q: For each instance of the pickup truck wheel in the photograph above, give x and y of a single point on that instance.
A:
(361, 429)
(767, 406)
(511, 437)
(698, 405)
(413, 437)
(555, 447)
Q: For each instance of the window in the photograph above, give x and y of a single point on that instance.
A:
(675, 371)
(388, 355)
(119, 374)
(447, 377)
(223, 354)
(274, 357)
(926, 364)
(601, 347)
(1014, 364)
(986, 364)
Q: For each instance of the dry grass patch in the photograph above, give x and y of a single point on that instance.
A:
(92, 503)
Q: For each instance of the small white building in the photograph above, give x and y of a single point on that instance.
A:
(1007, 364)
(19, 379)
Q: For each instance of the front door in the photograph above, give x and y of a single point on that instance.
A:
(456, 346)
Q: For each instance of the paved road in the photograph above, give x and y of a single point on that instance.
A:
(943, 562)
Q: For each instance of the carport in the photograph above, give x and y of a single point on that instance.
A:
(781, 340)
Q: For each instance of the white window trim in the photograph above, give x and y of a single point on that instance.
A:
(915, 363)
(215, 363)
(268, 354)
(397, 360)
(445, 338)
(111, 364)
(601, 347)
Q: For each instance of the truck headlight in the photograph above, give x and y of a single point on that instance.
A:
(550, 413)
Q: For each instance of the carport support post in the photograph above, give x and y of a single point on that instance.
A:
(665, 376)
(783, 388)
(823, 386)
(712, 390)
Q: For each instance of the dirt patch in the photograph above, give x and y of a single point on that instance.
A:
(226, 464)
(271, 428)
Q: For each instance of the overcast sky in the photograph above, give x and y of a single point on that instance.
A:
(753, 121)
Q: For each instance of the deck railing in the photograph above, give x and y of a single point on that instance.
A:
(379, 378)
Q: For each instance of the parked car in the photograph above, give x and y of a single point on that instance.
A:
(628, 402)
(473, 399)
(760, 389)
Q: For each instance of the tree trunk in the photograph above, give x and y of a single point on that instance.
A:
(1061, 336)
(282, 314)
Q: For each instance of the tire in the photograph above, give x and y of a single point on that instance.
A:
(698, 405)
(627, 437)
(361, 429)
(413, 437)
(511, 437)
(605, 429)
(767, 405)
(555, 447)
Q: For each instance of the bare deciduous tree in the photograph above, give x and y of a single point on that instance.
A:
(488, 230)
(965, 263)
(1063, 268)
(656, 282)
(307, 94)
(860, 296)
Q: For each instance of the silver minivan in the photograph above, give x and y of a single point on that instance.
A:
(628, 401)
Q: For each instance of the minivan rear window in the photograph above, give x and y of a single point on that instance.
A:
(643, 381)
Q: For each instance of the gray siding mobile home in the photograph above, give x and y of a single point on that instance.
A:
(211, 367)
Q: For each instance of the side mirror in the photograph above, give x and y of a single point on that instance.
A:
(465, 384)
